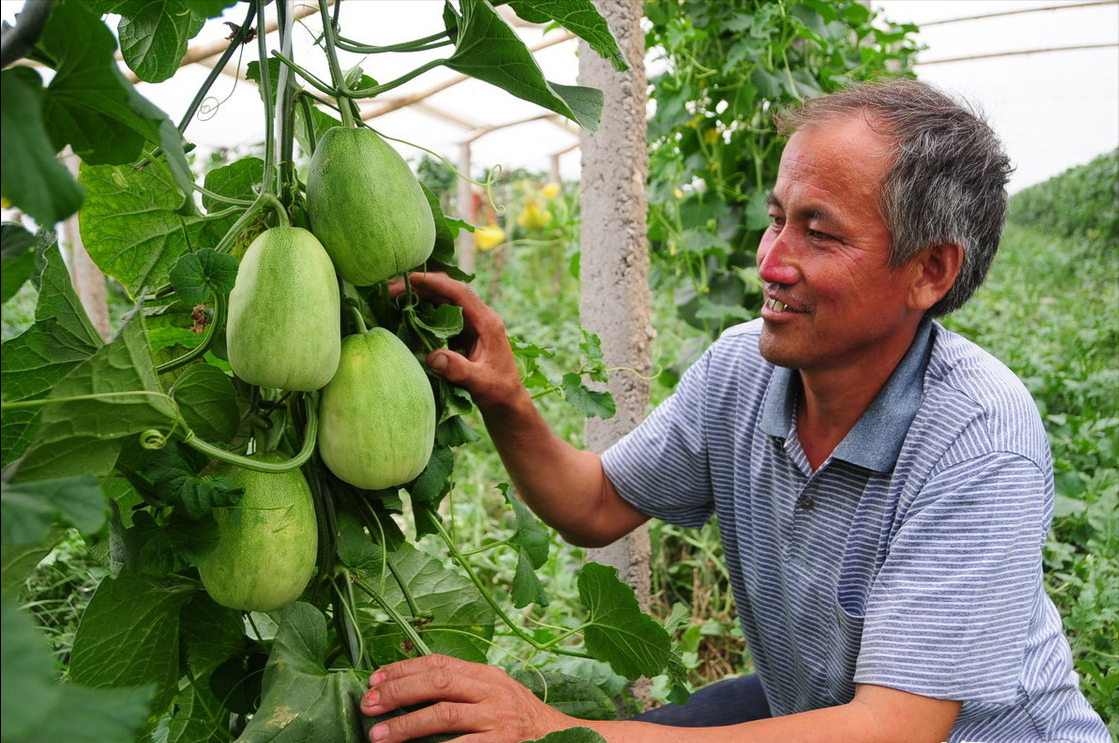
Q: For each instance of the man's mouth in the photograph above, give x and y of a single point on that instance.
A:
(776, 305)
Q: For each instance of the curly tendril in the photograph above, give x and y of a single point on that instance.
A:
(153, 438)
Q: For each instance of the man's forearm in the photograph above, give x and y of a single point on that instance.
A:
(565, 486)
(876, 715)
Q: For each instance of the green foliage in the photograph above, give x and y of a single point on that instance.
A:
(714, 151)
(121, 439)
(303, 701)
(36, 708)
(1082, 203)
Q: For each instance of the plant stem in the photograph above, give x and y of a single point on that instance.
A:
(277, 206)
(458, 557)
(358, 319)
(306, 106)
(416, 45)
(237, 40)
(306, 75)
(354, 640)
(330, 40)
(79, 398)
(153, 441)
(310, 434)
(397, 618)
(285, 108)
(201, 349)
(239, 226)
(408, 597)
(223, 199)
(266, 185)
(376, 90)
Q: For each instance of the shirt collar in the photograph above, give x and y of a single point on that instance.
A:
(876, 439)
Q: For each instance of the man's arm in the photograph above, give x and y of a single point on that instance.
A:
(473, 698)
(566, 487)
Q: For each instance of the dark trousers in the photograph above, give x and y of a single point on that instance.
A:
(725, 702)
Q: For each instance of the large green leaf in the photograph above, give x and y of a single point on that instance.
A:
(238, 180)
(89, 104)
(174, 474)
(572, 696)
(581, 18)
(208, 402)
(61, 337)
(617, 631)
(197, 715)
(197, 276)
(29, 509)
(18, 561)
(35, 708)
(32, 363)
(211, 634)
(586, 401)
(154, 33)
(531, 541)
(111, 395)
(129, 636)
(17, 257)
(130, 226)
(154, 40)
(488, 49)
(32, 178)
(303, 702)
(454, 618)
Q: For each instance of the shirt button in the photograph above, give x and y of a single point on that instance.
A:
(806, 503)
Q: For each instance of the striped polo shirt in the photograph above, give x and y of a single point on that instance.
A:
(911, 558)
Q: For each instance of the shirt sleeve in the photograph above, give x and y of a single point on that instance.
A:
(949, 612)
(662, 466)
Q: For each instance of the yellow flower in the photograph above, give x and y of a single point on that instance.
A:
(550, 190)
(5, 203)
(532, 217)
(488, 236)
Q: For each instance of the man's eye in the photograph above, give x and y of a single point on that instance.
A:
(776, 221)
(817, 235)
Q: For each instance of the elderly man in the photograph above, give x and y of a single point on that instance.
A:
(883, 486)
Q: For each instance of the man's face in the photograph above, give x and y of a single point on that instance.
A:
(832, 302)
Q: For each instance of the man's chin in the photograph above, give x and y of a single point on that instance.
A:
(778, 353)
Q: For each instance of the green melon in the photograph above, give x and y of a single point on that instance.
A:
(283, 327)
(377, 415)
(269, 542)
(366, 207)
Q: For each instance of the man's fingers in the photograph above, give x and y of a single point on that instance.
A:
(442, 289)
(438, 287)
(422, 680)
(440, 694)
(438, 718)
(451, 366)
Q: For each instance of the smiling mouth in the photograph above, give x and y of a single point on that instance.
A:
(777, 305)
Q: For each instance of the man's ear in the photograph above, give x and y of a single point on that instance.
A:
(935, 269)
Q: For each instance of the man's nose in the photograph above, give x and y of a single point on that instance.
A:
(776, 261)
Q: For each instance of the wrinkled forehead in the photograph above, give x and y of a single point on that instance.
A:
(844, 154)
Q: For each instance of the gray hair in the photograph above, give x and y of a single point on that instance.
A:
(947, 183)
